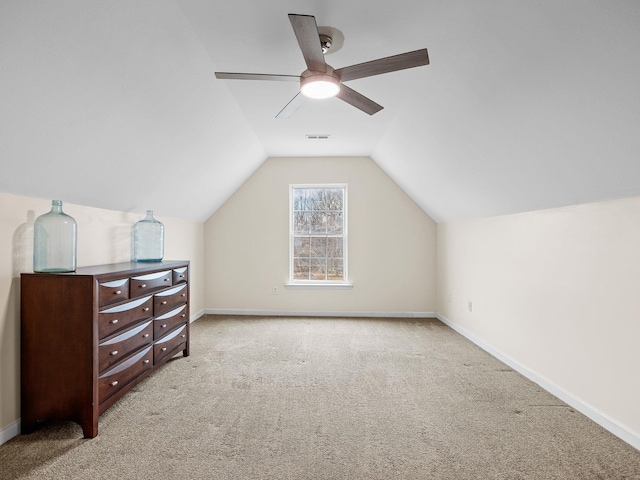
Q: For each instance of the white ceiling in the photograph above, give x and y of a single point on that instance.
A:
(525, 105)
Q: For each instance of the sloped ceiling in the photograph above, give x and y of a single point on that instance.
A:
(525, 105)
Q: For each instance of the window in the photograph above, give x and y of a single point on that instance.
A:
(318, 234)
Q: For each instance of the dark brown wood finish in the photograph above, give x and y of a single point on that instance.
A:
(115, 319)
(114, 291)
(166, 300)
(167, 322)
(120, 346)
(122, 374)
(88, 337)
(180, 275)
(144, 284)
(173, 342)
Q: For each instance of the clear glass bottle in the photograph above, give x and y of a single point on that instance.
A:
(55, 241)
(148, 239)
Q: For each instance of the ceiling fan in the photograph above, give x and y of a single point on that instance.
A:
(321, 80)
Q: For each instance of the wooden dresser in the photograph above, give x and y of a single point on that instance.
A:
(90, 336)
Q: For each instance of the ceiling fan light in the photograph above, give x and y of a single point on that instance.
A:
(320, 86)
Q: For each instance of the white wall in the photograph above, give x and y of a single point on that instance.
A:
(558, 292)
(392, 256)
(103, 237)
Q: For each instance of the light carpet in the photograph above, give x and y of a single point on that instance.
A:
(328, 398)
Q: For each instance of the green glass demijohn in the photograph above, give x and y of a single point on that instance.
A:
(147, 239)
(55, 241)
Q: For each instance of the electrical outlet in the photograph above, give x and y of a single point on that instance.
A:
(470, 306)
(275, 290)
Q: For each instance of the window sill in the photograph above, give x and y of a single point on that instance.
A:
(319, 286)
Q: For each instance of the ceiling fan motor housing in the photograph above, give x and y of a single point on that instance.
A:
(320, 84)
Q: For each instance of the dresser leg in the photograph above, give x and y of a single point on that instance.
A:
(90, 428)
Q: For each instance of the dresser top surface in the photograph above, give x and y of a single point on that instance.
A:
(124, 268)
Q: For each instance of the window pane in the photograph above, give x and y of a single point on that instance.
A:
(318, 247)
(334, 247)
(318, 269)
(335, 223)
(318, 223)
(301, 247)
(315, 199)
(299, 199)
(301, 222)
(335, 270)
(334, 200)
(300, 269)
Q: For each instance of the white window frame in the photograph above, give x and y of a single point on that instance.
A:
(312, 284)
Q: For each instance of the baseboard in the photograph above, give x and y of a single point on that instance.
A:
(310, 313)
(196, 316)
(10, 431)
(619, 430)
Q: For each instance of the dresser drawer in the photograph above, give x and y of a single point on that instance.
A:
(163, 302)
(112, 292)
(169, 344)
(117, 318)
(115, 379)
(144, 284)
(180, 275)
(167, 322)
(115, 349)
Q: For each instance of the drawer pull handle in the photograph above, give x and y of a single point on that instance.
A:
(163, 349)
(183, 336)
(117, 292)
(114, 321)
(143, 285)
(145, 362)
(163, 326)
(184, 295)
(181, 276)
(183, 315)
(114, 383)
(164, 302)
(115, 352)
(166, 279)
(146, 309)
(145, 335)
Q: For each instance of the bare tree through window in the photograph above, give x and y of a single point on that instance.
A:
(318, 232)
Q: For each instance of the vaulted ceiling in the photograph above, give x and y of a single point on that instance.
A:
(525, 105)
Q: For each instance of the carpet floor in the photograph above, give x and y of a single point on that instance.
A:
(328, 398)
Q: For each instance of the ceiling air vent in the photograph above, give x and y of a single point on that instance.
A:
(317, 136)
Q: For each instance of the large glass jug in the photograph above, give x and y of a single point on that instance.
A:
(55, 241)
(147, 239)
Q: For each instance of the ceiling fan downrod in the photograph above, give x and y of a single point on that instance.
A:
(325, 43)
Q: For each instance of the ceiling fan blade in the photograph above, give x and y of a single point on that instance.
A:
(257, 76)
(358, 100)
(292, 106)
(416, 58)
(306, 30)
